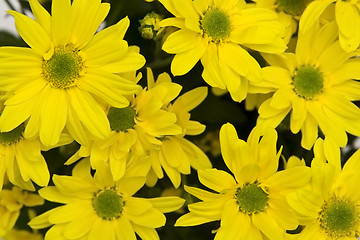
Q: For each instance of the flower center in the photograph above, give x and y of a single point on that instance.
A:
(293, 7)
(63, 68)
(108, 204)
(121, 119)
(339, 218)
(308, 82)
(7, 138)
(251, 198)
(216, 24)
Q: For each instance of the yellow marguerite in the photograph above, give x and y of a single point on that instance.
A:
(11, 202)
(136, 128)
(57, 81)
(216, 32)
(100, 208)
(316, 85)
(253, 205)
(149, 131)
(347, 18)
(330, 208)
(176, 155)
(289, 12)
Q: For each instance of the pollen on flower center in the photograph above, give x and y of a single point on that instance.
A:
(63, 68)
(216, 24)
(121, 119)
(251, 198)
(293, 7)
(339, 218)
(7, 138)
(108, 204)
(308, 82)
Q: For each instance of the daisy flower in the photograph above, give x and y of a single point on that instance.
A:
(11, 202)
(57, 81)
(330, 208)
(289, 12)
(21, 159)
(136, 128)
(176, 155)
(97, 207)
(315, 84)
(347, 18)
(253, 205)
(217, 33)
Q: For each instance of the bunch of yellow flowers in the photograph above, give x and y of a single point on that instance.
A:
(90, 149)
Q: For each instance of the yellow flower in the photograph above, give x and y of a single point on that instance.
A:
(347, 19)
(11, 202)
(330, 208)
(135, 129)
(316, 84)
(253, 205)
(21, 158)
(176, 154)
(57, 81)
(100, 208)
(216, 32)
(289, 12)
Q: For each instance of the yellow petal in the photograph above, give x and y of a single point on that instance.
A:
(87, 18)
(185, 61)
(123, 229)
(166, 204)
(41, 15)
(89, 112)
(181, 41)
(217, 180)
(61, 21)
(32, 33)
(268, 226)
(312, 14)
(146, 233)
(53, 115)
(191, 219)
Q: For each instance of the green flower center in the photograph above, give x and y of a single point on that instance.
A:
(216, 24)
(63, 68)
(7, 138)
(108, 204)
(293, 7)
(339, 218)
(308, 82)
(121, 119)
(251, 198)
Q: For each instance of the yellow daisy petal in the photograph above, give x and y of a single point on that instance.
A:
(53, 118)
(89, 112)
(41, 15)
(217, 180)
(61, 21)
(32, 33)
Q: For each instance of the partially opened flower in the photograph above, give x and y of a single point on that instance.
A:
(97, 207)
(252, 204)
(11, 202)
(57, 81)
(217, 33)
(316, 86)
(347, 16)
(329, 208)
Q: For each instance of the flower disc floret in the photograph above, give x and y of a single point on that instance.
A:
(108, 204)
(216, 24)
(293, 7)
(13, 136)
(251, 198)
(308, 82)
(339, 218)
(63, 68)
(121, 119)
